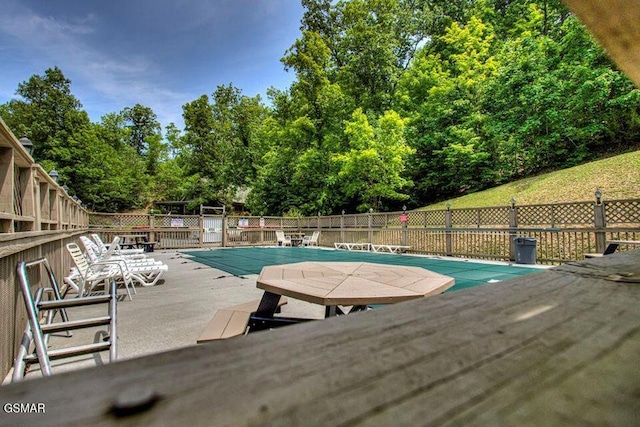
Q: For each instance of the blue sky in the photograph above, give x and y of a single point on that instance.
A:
(157, 53)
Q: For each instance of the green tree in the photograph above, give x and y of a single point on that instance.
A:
(93, 160)
(442, 94)
(48, 113)
(105, 178)
(351, 54)
(143, 124)
(220, 143)
(113, 130)
(371, 171)
(557, 101)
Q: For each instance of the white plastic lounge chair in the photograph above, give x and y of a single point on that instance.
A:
(38, 332)
(311, 241)
(145, 271)
(102, 272)
(94, 253)
(282, 239)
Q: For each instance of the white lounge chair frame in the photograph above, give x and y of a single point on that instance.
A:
(119, 251)
(352, 246)
(146, 271)
(90, 275)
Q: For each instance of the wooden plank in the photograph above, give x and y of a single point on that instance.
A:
(6, 181)
(556, 347)
(216, 327)
(231, 321)
(252, 306)
(625, 242)
(237, 324)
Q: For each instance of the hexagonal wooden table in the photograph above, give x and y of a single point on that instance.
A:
(356, 284)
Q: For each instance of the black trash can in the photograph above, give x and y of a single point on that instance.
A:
(525, 250)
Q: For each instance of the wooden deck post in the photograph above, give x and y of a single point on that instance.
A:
(224, 229)
(152, 226)
(448, 226)
(600, 223)
(513, 225)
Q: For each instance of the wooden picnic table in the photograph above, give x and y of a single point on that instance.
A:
(356, 284)
(129, 241)
(140, 241)
(612, 246)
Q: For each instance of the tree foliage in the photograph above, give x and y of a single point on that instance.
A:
(371, 170)
(219, 145)
(143, 125)
(394, 102)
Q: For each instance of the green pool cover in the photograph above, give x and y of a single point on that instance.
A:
(245, 261)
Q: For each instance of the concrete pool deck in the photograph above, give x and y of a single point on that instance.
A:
(171, 314)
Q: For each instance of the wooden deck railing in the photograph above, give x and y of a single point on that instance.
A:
(37, 218)
(31, 200)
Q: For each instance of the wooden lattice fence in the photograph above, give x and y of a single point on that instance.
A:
(563, 231)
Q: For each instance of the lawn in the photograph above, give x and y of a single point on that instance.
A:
(618, 177)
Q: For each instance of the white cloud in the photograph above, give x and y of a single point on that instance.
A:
(158, 53)
(123, 79)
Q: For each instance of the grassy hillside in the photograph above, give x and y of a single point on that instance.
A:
(617, 177)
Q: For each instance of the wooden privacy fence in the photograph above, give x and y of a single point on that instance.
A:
(563, 231)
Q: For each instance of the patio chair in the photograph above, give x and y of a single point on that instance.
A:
(37, 332)
(145, 271)
(89, 275)
(92, 249)
(311, 241)
(282, 239)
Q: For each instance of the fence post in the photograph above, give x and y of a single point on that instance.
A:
(513, 225)
(224, 228)
(152, 226)
(448, 225)
(404, 225)
(600, 222)
(370, 232)
(342, 227)
(261, 225)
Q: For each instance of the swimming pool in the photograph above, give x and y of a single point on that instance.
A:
(247, 261)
